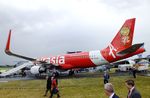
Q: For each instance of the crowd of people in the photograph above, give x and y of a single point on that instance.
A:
(132, 91)
(52, 87)
(109, 90)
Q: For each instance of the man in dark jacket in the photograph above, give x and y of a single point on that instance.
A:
(133, 93)
(48, 85)
(106, 77)
(134, 72)
(109, 90)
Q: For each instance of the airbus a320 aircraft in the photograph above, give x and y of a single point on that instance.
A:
(120, 48)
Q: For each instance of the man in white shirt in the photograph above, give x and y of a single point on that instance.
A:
(109, 90)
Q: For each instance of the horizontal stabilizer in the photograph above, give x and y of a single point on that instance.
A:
(131, 49)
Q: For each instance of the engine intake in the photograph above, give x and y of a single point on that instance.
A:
(37, 70)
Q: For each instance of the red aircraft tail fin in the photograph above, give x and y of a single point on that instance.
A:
(121, 46)
(124, 37)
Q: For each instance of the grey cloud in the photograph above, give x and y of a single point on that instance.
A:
(125, 4)
(43, 31)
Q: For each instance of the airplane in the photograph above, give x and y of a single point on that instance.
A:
(120, 48)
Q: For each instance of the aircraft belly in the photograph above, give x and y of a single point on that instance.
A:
(82, 62)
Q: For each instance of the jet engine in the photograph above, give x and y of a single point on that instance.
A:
(37, 70)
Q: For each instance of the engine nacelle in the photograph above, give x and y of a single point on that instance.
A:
(35, 70)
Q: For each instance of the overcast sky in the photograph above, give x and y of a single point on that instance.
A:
(51, 27)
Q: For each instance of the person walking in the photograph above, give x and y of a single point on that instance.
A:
(133, 93)
(134, 72)
(54, 87)
(106, 77)
(109, 91)
(48, 85)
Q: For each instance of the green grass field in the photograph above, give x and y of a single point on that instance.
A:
(73, 88)
(3, 69)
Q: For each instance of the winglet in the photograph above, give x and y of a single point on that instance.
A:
(7, 49)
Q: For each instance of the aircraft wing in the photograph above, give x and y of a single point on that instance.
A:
(19, 56)
(7, 50)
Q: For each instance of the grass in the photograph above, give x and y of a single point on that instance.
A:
(3, 69)
(73, 88)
